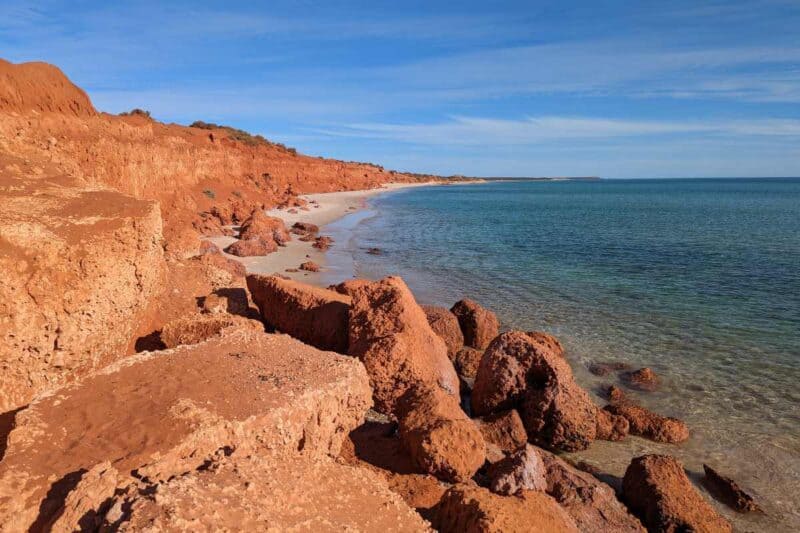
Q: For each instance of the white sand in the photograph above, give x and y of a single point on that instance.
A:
(331, 207)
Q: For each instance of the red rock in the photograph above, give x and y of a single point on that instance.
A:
(523, 469)
(197, 328)
(264, 227)
(438, 436)
(549, 341)
(251, 247)
(478, 324)
(347, 287)
(310, 266)
(390, 334)
(504, 430)
(472, 509)
(592, 504)
(207, 247)
(611, 427)
(728, 491)
(215, 261)
(518, 372)
(467, 361)
(301, 228)
(648, 424)
(316, 316)
(445, 325)
(234, 303)
(322, 243)
(657, 489)
(642, 379)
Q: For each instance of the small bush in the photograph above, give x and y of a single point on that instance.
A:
(136, 112)
(211, 194)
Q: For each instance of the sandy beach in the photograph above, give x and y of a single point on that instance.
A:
(322, 209)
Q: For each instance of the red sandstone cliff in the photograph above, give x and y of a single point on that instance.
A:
(99, 213)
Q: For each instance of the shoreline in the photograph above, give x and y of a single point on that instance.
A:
(323, 209)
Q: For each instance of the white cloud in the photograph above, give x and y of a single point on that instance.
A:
(472, 131)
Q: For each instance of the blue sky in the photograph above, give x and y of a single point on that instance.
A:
(616, 89)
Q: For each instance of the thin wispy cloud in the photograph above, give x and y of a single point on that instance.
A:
(431, 89)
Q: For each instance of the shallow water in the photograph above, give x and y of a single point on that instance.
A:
(698, 279)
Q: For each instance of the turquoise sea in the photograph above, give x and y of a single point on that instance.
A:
(698, 279)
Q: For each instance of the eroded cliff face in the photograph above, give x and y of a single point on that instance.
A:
(98, 210)
(189, 170)
(79, 266)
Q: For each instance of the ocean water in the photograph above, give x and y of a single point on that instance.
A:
(698, 279)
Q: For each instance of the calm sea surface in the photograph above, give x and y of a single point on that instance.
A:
(697, 279)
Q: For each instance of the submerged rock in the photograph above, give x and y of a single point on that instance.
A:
(479, 325)
(642, 379)
(728, 491)
(657, 489)
(648, 424)
(611, 427)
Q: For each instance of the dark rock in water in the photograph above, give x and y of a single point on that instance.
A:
(728, 491)
(310, 266)
(656, 488)
(606, 368)
(642, 379)
(375, 251)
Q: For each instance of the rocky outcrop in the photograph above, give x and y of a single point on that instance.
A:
(252, 247)
(445, 324)
(390, 334)
(657, 489)
(438, 436)
(159, 415)
(347, 287)
(518, 372)
(42, 88)
(475, 509)
(262, 226)
(521, 470)
(592, 504)
(304, 228)
(316, 316)
(728, 491)
(193, 329)
(293, 494)
(479, 325)
(79, 268)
